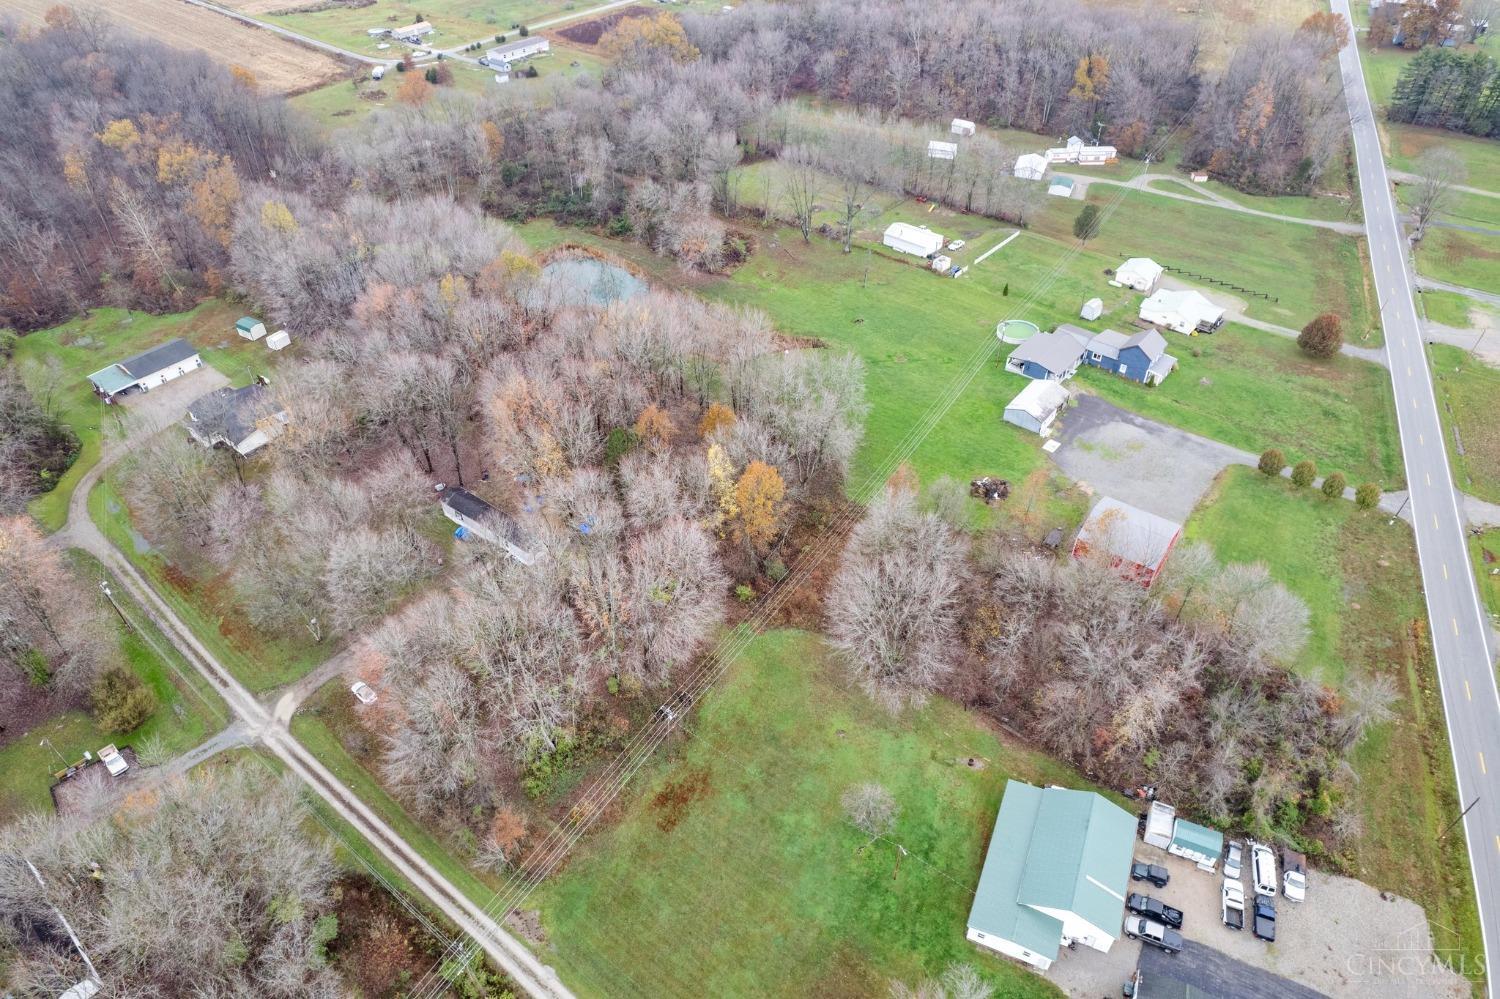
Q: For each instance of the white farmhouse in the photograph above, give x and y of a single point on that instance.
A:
(1031, 166)
(961, 126)
(146, 370)
(1056, 873)
(1186, 312)
(919, 241)
(1140, 273)
(938, 150)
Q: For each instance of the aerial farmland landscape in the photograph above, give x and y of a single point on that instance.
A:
(827, 498)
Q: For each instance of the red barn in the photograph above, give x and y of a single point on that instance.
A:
(1134, 541)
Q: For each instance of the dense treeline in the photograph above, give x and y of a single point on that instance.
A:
(35, 446)
(125, 185)
(1442, 88)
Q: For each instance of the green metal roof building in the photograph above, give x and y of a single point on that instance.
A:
(1200, 844)
(1057, 870)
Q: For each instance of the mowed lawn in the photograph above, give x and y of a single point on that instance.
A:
(1358, 575)
(1450, 308)
(731, 870)
(1470, 393)
(187, 712)
(1470, 259)
(1257, 390)
(55, 363)
(1485, 549)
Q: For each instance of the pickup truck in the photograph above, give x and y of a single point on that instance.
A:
(1154, 908)
(1265, 918)
(1293, 875)
(1234, 905)
(1153, 933)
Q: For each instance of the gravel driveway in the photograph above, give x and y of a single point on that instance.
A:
(1146, 464)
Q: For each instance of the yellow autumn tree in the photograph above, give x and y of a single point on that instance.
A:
(414, 90)
(244, 78)
(760, 495)
(1090, 77)
(717, 417)
(654, 428)
(277, 216)
(214, 196)
(636, 42)
(494, 139)
(121, 135)
(179, 161)
(721, 484)
(452, 289)
(75, 170)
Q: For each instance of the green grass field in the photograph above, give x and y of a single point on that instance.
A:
(731, 870)
(1485, 549)
(1464, 258)
(1469, 390)
(188, 711)
(455, 22)
(1449, 308)
(1358, 575)
(258, 661)
(55, 363)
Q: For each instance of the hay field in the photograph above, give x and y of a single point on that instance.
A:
(281, 65)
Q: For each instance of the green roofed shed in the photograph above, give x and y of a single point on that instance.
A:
(1199, 844)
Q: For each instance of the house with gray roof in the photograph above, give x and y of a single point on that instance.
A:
(1134, 541)
(476, 518)
(241, 419)
(1141, 357)
(1052, 357)
(1056, 873)
(146, 370)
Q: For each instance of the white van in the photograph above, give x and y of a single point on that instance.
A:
(1263, 869)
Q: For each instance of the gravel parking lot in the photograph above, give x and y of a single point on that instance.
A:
(1344, 941)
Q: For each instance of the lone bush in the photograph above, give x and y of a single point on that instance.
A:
(121, 701)
(1303, 474)
(1272, 461)
(1323, 336)
(1333, 485)
(1367, 495)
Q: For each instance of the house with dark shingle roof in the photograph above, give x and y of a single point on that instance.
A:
(476, 518)
(146, 370)
(1141, 357)
(243, 419)
(1056, 873)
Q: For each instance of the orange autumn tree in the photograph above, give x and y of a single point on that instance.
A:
(759, 497)
(654, 428)
(717, 417)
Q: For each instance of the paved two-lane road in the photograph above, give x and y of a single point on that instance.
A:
(1460, 632)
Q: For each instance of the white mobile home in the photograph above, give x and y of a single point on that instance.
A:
(412, 32)
(477, 518)
(1182, 311)
(521, 48)
(916, 240)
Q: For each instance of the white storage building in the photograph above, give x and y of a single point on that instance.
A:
(939, 150)
(1140, 273)
(1182, 311)
(1031, 166)
(146, 370)
(1036, 406)
(919, 241)
(1092, 309)
(961, 126)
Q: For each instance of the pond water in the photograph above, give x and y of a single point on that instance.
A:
(586, 281)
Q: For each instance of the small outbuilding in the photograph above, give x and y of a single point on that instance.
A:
(476, 518)
(1092, 309)
(250, 328)
(1140, 273)
(917, 240)
(1036, 406)
(941, 263)
(243, 419)
(1052, 357)
(146, 370)
(279, 340)
(378, 73)
(939, 150)
(1200, 844)
(961, 126)
(1030, 166)
(1134, 541)
(1056, 874)
(1060, 187)
(1182, 311)
(1160, 818)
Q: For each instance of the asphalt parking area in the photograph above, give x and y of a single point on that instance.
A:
(1146, 464)
(1202, 971)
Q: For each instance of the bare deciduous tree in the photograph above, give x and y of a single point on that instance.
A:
(871, 808)
(1439, 171)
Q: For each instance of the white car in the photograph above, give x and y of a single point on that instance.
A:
(957, 244)
(113, 761)
(362, 690)
(1263, 869)
(1234, 856)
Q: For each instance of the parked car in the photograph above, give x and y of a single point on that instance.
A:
(1153, 933)
(1234, 905)
(362, 690)
(957, 244)
(1159, 876)
(1154, 908)
(1263, 868)
(1293, 875)
(1234, 856)
(1265, 917)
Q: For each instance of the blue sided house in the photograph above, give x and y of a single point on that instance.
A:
(1056, 356)
(1056, 872)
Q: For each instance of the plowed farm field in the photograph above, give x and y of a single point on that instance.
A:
(281, 66)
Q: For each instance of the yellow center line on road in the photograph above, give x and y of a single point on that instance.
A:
(1468, 694)
(1482, 768)
(1455, 625)
(1421, 439)
(1434, 520)
(1497, 842)
(1445, 570)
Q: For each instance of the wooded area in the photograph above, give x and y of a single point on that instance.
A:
(1441, 88)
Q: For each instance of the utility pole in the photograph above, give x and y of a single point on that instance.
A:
(110, 596)
(1459, 819)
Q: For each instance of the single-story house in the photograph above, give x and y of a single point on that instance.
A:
(243, 419)
(1140, 273)
(1056, 873)
(476, 518)
(1080, 152)
(1050, 357)
(146, 370)
(1036, 406)
(1092, 309)
(1141, 357)
(412, 32)
(961, 126)
(1134, 541)
(521, 48)
(1060, 187)
(939, 150)
(1031, 166)
(250, 328)
(1200, 844)
(919, 241)
(1183, 311)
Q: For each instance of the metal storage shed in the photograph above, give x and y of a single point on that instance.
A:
(1199, 844)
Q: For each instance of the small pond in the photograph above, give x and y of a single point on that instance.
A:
(586, 281)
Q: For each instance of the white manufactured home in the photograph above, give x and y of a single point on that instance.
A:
(917, 240)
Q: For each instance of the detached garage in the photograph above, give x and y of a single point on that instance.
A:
(916, 240)
(146, 370)
(1036, 406)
